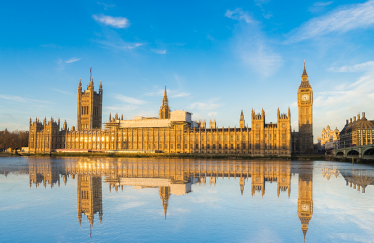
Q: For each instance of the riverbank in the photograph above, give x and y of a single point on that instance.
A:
(176, 155)
(308, 157)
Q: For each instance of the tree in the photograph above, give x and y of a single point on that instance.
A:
(15, 139)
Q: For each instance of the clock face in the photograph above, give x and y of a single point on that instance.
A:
(305, 97)
(305, 207)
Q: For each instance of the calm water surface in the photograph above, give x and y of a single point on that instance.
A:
(167, 200)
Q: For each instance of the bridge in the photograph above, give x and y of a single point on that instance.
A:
(356, 152)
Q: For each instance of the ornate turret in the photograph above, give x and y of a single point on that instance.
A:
(165, 110)
(89, 106)
(241, 121)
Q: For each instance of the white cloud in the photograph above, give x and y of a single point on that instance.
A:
(12, 98)
(259, 56)
(209, 105)
(133, 45)
(293, 105)
(129, 100)
(130, 205)
(343, 102)
(341, 20)
(159, 51)
(366, 66)
(20, 99)
(322, 3)
(106, 6)
(116, 22)
(252, 46)
(120, 45)
(213, 113)
(260, 2)
(239, 14)
(61, 91)
(170, 93)
(182, 94)
(74, 59)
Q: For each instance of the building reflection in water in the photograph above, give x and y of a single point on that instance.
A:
(356, 178)
(305, 199)
(174, 176)
(89, 197)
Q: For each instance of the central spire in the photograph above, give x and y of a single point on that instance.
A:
(164, 110)
(304, 72)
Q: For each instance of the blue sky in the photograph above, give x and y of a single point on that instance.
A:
(216, 58)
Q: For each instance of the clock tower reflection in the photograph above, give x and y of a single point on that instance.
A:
(305, 199)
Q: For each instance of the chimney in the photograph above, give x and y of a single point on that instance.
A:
(363, 114)
(354, 118)
(346, 122)
(358, 117)
(350, 120)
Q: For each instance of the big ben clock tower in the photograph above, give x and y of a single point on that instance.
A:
(305, 105)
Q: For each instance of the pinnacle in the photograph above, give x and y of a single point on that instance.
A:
(304, 72)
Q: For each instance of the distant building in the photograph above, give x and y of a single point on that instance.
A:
(24, 149)
(357, 132)
(175, 131)
(329, 139)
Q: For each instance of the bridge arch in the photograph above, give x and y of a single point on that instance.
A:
(339, 153)
(368, 153)
(353, 153)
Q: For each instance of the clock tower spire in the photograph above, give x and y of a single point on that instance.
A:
(305, 107)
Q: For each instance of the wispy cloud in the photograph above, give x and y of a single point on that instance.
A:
(252, 46)
(239, 14)
(129, 100)
(366, 66)
(115, 42)
(61, 91)
(50, 46)
(209, 105)
(74, 59)
(170, 93)
(159, 51)
(116, 22)
(121, 45)
(213, 113)
(319, 6)
(20, 99)
(129, 205)
(341, 20)
(106, 6)
(343, 101)
(12, 98)
(177, 95)
(322, 3)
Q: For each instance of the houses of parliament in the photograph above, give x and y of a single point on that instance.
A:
(175, 131)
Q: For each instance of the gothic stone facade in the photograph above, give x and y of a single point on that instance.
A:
(175, 132)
